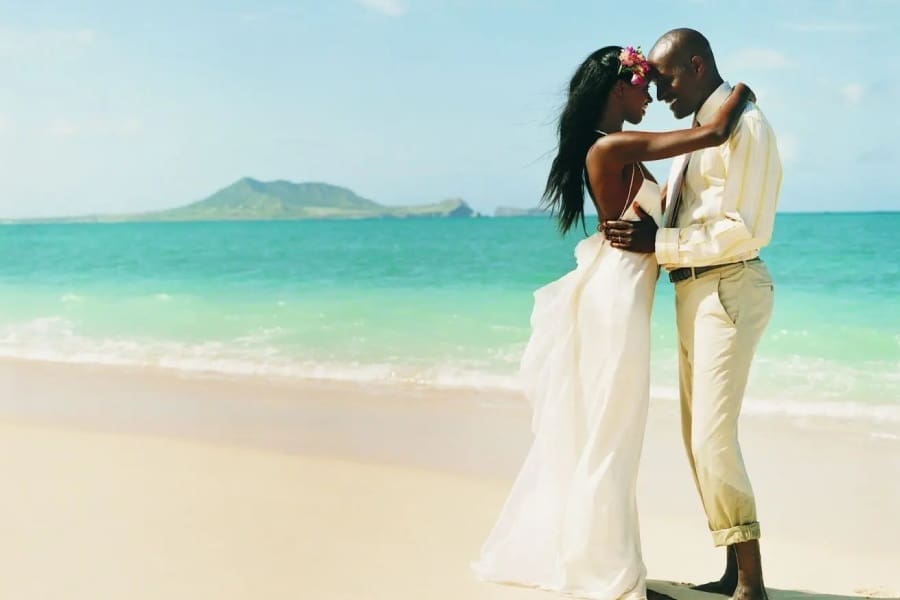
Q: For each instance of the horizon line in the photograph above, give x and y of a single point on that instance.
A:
(74, 220)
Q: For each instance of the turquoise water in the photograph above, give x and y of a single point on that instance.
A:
(442, 302)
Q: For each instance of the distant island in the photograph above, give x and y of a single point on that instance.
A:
(511, 211)
(249, 199)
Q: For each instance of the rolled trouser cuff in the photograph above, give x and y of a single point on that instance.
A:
(736, 535)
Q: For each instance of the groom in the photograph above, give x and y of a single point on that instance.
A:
(720, 210)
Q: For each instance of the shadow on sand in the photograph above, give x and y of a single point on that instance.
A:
(682, 591)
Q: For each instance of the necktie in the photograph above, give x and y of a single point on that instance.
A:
(678, 182)
(678, 193)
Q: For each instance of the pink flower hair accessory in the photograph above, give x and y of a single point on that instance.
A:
(633, 60)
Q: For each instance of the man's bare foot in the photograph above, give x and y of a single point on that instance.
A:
(725, 586)
(746, 592)
(729, 580)
(651, 595)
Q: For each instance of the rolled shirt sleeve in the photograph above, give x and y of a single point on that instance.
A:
(734, 190)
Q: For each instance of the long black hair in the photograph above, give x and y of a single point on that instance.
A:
(588, 94)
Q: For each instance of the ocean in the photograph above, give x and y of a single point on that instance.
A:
(442, 302)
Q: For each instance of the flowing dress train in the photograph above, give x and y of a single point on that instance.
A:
(570, 522)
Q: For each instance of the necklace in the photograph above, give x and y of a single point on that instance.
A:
(601, 132)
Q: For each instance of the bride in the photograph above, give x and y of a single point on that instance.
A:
(570, 523)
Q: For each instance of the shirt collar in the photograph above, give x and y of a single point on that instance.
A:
(712, 104)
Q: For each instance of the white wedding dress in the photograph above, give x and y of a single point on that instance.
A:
(570, 523)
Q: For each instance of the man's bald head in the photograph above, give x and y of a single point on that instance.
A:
(684, 43)
(684, 70)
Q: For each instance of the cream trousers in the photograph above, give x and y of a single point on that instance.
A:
(721, 316)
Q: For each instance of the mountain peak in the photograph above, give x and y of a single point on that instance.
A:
(250, 198)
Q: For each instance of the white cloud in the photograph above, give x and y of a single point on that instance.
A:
(391, 8)
(828, 27)
(759, 58)
(853, 93)
(84, 37)
(44, 42)
(113, 127)
(123, 127)
(770, 97)
(261, 16)
(787, 146)
(62, 128)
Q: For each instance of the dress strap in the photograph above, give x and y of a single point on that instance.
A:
(628, 199)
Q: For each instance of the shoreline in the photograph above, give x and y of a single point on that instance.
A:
(879, 420)
(365, 478)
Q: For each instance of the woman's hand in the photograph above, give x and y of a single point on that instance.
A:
(743, 88)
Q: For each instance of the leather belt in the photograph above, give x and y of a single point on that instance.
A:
(694, 272)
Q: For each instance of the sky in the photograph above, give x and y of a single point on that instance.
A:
(111, 106)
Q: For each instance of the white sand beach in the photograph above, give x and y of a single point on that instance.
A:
(126, 483)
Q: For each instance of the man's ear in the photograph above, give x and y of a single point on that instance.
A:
(697, 65)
